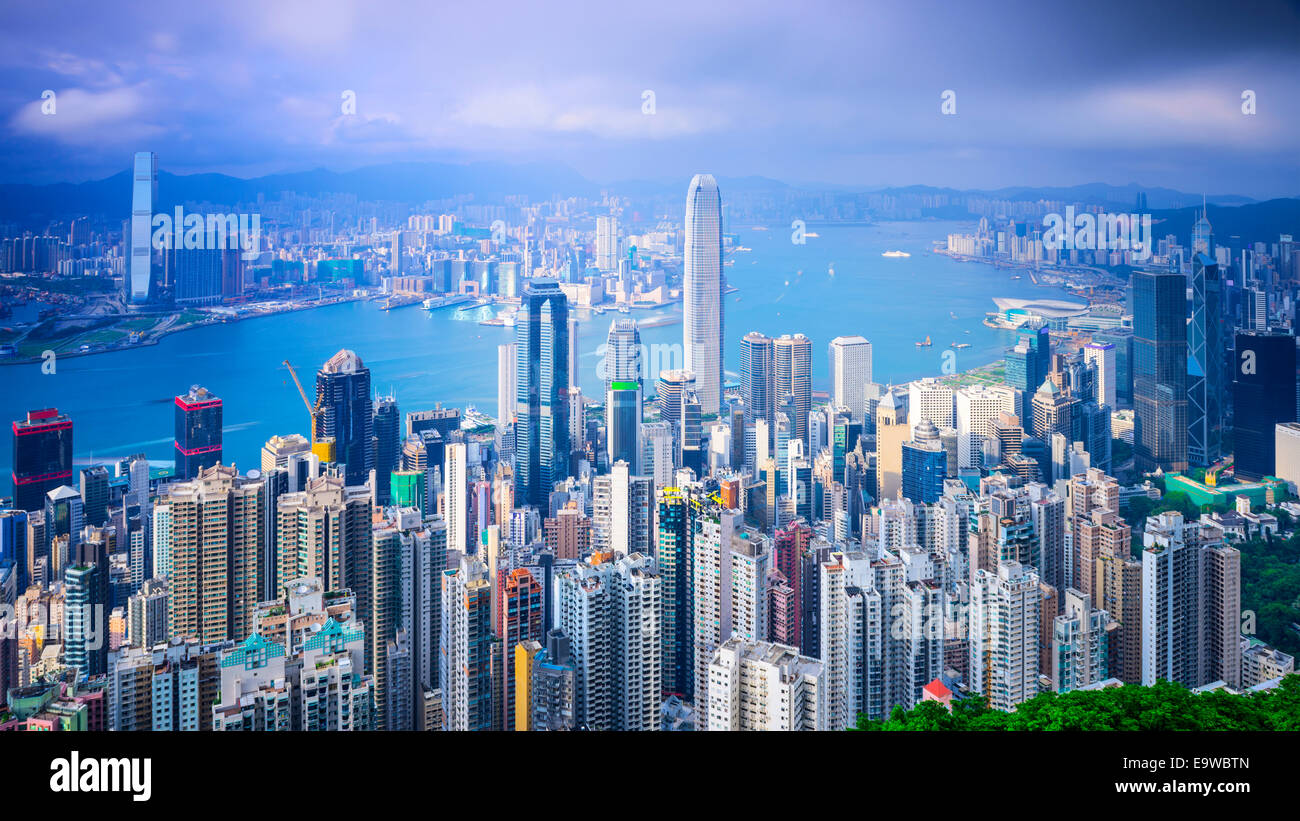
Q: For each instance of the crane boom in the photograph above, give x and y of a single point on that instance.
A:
(311, 411)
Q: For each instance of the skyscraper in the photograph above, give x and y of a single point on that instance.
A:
(144, 190)
(1263, 392)
(217, 526)
(542, 403)
(323, 532)
(1206, 341)
(198, 432)
(521, 621)
(94, 494)
(925, 465)
(607, 243)
(756, 390)
(1159, 370)
(1171, 601)
(703, 286)
(42, 451)
(387, 427)
(623, 423)
(464, 670)
(850, 372)
(507, 359)
(1027, 364)
(672, 390)
(1004, 634)
(792, 377)
(456, 499)
(343, 411)
(1102, 356)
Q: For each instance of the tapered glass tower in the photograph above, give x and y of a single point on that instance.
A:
(703, 285)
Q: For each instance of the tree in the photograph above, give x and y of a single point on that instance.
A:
(1131, 707)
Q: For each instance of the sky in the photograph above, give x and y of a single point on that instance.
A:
(848, 93)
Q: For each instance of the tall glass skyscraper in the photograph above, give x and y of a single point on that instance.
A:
(542, 392)
(144, 190)
(388, 432)
(755, 388)
(792, 377)
(42, 452)
(343, 409)
(1159, 370)
(1206, 340)
(198, 432)
(623, 365)
(623, 423)
(1263, 393)
(702, 288)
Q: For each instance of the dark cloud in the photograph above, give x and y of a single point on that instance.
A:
(1047, 93)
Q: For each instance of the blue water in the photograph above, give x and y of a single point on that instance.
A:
(121, 402)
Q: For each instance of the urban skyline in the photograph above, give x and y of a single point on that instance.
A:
(398, 418)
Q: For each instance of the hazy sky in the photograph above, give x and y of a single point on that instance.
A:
(841, 92)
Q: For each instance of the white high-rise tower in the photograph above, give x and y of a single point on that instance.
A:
(144, 191)
(702, 290)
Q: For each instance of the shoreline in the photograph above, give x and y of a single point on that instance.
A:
(155, 337)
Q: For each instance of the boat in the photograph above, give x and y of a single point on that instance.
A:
(960, 345)
(896, 254)
(925, 343)
(435, 302)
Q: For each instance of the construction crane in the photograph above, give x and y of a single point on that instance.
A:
(312, 410)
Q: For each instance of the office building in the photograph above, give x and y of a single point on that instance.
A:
(1160, 370)
(1207, 337)
(703, 287)
(198, 432)
(792, 379)
(507, 380)
(1102, 357)
(344, 413)
(542, 404)
(1264, 396)
(42, 452)
(850, 360)
(144, 190)
(387, 427)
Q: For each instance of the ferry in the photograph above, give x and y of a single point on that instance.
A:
(896, 254)
(925, 343)
(443, 301)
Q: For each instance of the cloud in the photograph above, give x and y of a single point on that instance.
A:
(83, 117)
(584, 108)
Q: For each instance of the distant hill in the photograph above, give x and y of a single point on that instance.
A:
(34, 206)
(402, 182)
